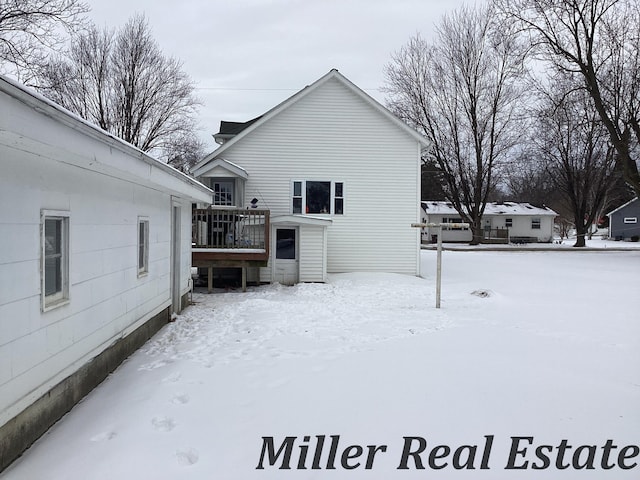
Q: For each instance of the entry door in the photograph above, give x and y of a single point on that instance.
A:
(286, 264)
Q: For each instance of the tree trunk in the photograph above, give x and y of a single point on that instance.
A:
(580, 234)
(476, 230)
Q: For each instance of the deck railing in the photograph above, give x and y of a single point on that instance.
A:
(230, 228)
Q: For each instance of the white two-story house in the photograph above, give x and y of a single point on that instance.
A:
(313, 167)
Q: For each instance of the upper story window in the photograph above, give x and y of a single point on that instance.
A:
(317, 197)
(55, 258)
(630, 220)
(222, 192)
(535, 224)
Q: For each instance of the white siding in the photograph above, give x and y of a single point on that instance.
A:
(312, 254)
(107, 299)
(332, 134)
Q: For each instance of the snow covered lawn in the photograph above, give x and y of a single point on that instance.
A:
(526, 344)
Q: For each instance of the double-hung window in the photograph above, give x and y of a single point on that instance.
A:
(317, 197)
(535, 224)
(143, 246)
(55, 258)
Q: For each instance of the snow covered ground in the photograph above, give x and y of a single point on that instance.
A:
(526, 344)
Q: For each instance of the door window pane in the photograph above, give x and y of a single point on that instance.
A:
(286, 243)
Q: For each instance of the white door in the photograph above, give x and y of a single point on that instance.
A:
(286, 264)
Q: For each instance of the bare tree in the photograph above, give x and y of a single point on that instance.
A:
(462, 92)
(574, 146)
(599, 41)
(29, 26)
(122, 82)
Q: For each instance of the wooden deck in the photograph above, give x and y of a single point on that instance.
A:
(230, 237)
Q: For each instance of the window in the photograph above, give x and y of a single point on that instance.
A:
(143, 246)
(338, 198)
(508, 222)
(535, 224)
(297, 197)
(286, 243)
(222, 192)
(55, 258)
(453, 220)
(631, 220)
(313, 197)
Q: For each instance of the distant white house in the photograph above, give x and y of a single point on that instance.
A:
(316, 162)
(624, 221)
(502, 222)
(95, 256)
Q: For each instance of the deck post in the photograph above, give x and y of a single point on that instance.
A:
(210, 279)
(244, 278)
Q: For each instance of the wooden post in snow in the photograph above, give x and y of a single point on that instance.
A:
(439, 256)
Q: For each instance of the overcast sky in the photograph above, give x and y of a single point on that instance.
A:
(246, 56)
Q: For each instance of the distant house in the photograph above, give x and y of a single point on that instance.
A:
(623, 221)
(95, 257)
(502, 222)
(311, 167)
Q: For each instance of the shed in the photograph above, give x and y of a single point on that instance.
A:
(623, 221)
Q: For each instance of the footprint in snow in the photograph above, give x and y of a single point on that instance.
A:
(187, 456)
(180, 399)
(173, 378)
(163, 424)
(101, 437)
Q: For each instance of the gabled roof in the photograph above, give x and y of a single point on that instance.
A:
(623, 206)
(333, 74)
(492, 208)
(235, 170)
(229, 130)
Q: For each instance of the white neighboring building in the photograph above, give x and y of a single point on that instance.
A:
(503, 222)
(316, 162)
(95, 256)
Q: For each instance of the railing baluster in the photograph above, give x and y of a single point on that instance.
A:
(230, 228)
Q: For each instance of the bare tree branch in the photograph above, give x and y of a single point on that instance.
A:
(122, 82)
(599, 41)
(463, 92)
(28, 28)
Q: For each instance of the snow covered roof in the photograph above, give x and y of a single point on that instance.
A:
(492, 208)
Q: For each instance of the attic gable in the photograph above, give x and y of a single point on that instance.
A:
(245, 129)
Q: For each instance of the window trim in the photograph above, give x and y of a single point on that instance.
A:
(60, 297)
(302, 197)
(144, 269)
(508, 222)
(630, 220)
(452, 220)
(536, 223)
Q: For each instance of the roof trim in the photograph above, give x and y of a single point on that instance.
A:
(300, 220)
(622, 206)
(51, 109)
(333, 74)
(231, 167)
